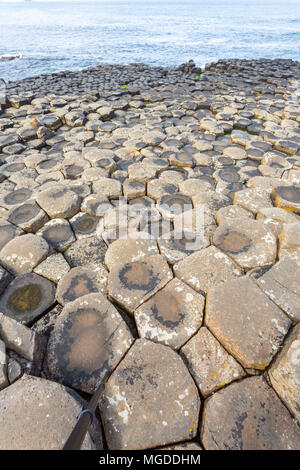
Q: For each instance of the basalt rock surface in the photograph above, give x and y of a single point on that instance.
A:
(149, 231)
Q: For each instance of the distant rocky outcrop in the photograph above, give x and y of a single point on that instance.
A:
(9, 58)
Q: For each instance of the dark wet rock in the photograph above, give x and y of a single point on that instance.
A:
(5, 279)
(14, 370)
(27, 297)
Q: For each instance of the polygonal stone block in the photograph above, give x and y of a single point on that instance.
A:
(78, 282)
(209, 363)
(129, 250)
(86, 251)
(31, 409)
(252, 199)
(22, 340)
(246, 322)
(248, 415)
(58, 234)
(171, 316)
(87, 342)
(287, 197)
(249, 243)
(22, 254)
(59, 202)
(134, 188)
(8, 231)
(108, 188)
(285, 373)
(206, 268)
(84, 225)
(150, 400)
(289, 238)
(95, 204)
(16, 197)
(28, 216)
(177, 246)
(131, 284)
(232, 212)
(281, 284)
(53, 268)
(275, 218)
(171, 206)
(27, 297)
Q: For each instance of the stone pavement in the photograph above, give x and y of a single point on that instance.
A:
(149, 237)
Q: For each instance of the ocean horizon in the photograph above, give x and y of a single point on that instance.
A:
(53, 36)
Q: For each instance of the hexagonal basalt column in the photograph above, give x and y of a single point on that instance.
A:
(249, 243)
(281, 284)
(8, 231)
(88, 341)
(131, 284)
(78, 282)
(246, 322)
(172, 315)
(209, 363)
(287, 197)
(150, 400)
(59, 202)
(58, 234)
(27, 297)
(248, 416)
(206, 268)
(22, 254)
(285, 373)
(28, 216)
(129, 250)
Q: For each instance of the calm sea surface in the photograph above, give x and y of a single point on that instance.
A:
(60, 35)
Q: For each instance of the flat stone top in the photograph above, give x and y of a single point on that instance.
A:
(248, 416)
(246, 322)
(149, 399)
(36, 414)
(87, 342)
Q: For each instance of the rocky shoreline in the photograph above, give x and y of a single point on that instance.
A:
(198, 342)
